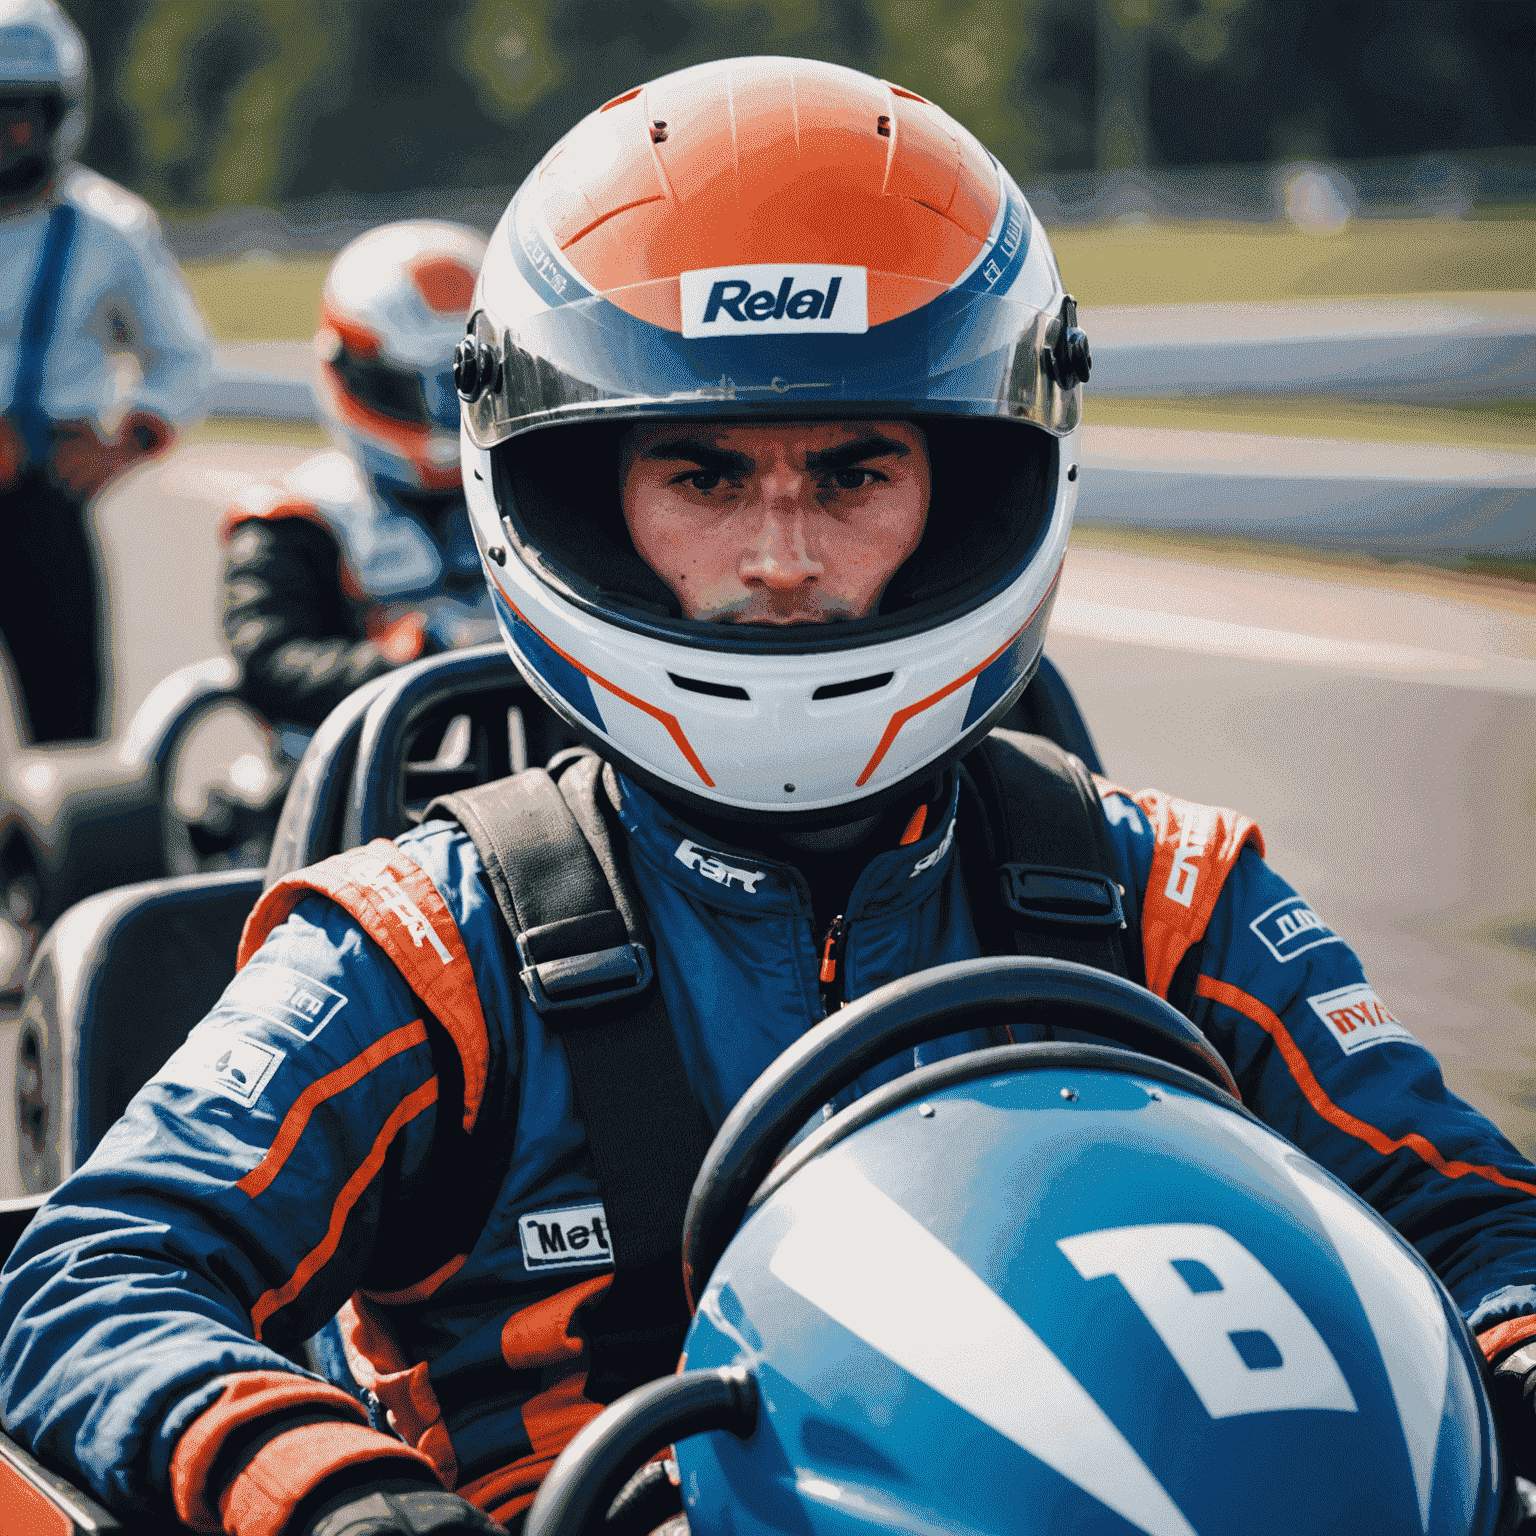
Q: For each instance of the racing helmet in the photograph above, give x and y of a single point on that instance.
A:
(391, 309)
(43, 58)
(1072, 1298)
(767, 240)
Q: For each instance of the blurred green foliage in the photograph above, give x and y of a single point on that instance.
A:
(208, 102)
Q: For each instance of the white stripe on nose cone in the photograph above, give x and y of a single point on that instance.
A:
(857, 1256)
(1391, 1288)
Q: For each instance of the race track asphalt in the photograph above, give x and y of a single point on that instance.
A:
(1378, 722)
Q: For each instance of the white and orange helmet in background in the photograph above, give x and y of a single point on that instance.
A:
(763, 240)
(391, 310)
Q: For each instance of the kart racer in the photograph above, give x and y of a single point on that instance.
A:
(784, 579)
(102, 355)
(361, 558)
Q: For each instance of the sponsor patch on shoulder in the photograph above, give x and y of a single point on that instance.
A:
(233, 1065)
(284, 997)
(1290, 928)
(1357, 1018)
(573, 1237)
(774, 299)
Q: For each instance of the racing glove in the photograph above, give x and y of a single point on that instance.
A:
(1514, 1408)
(396, 1506)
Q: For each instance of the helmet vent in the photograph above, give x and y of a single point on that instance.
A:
(714, 690)
(853, 685)
(883, 127)
(658, 132)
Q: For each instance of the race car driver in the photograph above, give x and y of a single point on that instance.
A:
(102, 355)
(361, 558)
(772, 400)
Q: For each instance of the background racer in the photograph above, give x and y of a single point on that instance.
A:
(286, 1159)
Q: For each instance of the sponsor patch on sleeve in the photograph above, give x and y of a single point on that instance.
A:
(574, 1237)
(284, 997)
(1356, 1018)
(1291, 928)
(796, 298)
(233, 1065)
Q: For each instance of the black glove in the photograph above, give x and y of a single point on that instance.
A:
(392, 1506)
(1514, 1408)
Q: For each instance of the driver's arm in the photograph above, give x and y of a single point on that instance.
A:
(1325, 1060)
(146, 1313)
(299, 646)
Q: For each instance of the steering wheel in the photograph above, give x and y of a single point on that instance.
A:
(970, 994)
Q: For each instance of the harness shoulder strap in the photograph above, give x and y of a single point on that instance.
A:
(562, 886)
(1041, 864)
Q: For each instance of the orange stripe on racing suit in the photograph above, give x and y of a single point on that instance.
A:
(394, 901)
(313, 1261)
(1196, 847)
(327, 1087)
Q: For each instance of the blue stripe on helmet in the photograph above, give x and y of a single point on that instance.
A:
(557, 673)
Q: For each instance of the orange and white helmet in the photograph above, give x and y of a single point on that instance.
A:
(393, 306)
(763, 240)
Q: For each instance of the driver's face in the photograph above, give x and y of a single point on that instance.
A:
(796, 523)
(23, 127)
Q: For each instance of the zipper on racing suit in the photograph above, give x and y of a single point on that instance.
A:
(831, 974)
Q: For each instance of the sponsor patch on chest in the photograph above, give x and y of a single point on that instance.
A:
(796, 298)
(713, 866)
(1291, 928)
(1356, 1018)
(573, 1237)
(283, 996)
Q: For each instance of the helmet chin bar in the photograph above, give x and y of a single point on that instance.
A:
(691, 805)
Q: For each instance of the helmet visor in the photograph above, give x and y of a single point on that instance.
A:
(798, 346)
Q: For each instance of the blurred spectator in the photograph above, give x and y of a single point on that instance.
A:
(102, 352)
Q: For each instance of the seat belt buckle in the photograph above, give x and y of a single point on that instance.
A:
(1077, 898)
(584, 981)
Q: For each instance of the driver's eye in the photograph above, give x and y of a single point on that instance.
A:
(704, 479)
(852, 479)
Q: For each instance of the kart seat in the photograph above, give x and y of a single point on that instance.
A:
(123, 976)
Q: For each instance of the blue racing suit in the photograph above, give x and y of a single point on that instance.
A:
(271, 1175)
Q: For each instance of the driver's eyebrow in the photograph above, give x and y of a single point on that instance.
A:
(830, 460)
(723, 460)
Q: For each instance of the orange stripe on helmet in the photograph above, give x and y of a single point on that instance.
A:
(671, 723)
(1341, 1119)
(260, 1178)
(352, 1191)
(768, 160)
(900, 718)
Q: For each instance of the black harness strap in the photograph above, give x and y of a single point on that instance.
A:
(551, 862)
(1038, 859)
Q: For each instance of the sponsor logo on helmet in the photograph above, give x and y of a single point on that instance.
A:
(574, 1237)
(709, 864)
(284, 997)
(928, 860)
(1357, 1018)
(768, 300)
(1290, 928)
